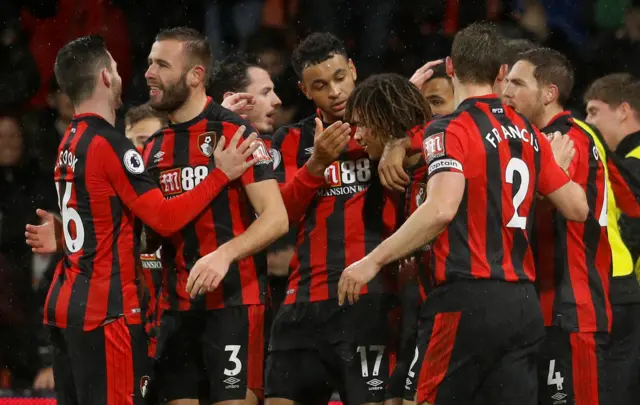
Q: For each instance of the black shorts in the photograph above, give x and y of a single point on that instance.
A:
(213, 355)
(107, 365)
(570, 367)
(478, 343)
(622, 356)
(405, 346)
(320, 347)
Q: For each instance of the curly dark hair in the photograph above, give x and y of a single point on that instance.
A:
(314, 49)
(231, 74)
(389, 105)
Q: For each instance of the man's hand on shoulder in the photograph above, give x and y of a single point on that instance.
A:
(232, 160)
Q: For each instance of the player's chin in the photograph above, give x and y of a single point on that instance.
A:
(263, 127)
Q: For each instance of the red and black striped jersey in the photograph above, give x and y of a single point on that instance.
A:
(151, 264)
(573, 259)
(347, 218)
(102, 188)
(505, 161)
(416, 194)
(179, 157)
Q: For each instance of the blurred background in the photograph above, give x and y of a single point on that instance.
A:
(598, 36)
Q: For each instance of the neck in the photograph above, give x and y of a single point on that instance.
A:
(328, 119)
(550, 111)
(626, 129)
(190, 109)
(463, 91)
(98, 107)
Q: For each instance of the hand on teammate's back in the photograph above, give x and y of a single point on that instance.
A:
(232, 160)
(239, 103)
(46, 237)
(391, 168)
(327, 145)
(563, 149)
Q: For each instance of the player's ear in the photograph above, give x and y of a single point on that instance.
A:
(448, 64)
(352, 68)
(550, 94)
(105, 76)
(623, 111)
(502, 73)
(228, 94)
(303, 89)
(196, 76)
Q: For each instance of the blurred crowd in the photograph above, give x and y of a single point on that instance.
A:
(599, 37)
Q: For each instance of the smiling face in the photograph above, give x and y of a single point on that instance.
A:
(329, 84)
(167, 76)
(372, 144)
(266, 100)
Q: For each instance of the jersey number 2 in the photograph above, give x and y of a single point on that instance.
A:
(516, 165)
(70, 215)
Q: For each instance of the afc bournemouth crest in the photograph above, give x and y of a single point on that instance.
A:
(207, 142)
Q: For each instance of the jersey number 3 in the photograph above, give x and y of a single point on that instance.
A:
(70, 219)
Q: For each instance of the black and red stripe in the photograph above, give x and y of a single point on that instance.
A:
(176, 149)
(97, 282)
(346, 219)
(573, 258)
(477, 244)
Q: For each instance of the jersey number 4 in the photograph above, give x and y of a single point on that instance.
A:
(70, 218)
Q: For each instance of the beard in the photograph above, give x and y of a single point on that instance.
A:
(173, 96)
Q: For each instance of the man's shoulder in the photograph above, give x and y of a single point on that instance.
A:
(217, 113)
(297, 129)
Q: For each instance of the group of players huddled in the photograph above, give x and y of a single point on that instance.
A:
(460, 237)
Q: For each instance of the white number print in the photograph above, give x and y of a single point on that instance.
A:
(412, 373)
(70, 215)
(348, 172)
(554, 377)
(364, 364)
(233, 358)
(516, 165)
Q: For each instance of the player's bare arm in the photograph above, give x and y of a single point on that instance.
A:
(444, 194)
(272, 222)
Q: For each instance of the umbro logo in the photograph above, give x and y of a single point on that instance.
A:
(375, 382)
(558, 396)
(231, 381)
(157, 158)
(308, 151)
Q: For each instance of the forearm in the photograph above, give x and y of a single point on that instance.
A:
(298, 193)
(269, 226)
(420, 228)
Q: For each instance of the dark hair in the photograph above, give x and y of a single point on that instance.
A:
(477, 54)
(513, 48)
(615, 89)
(78, 64)
(316, 48)
(388, 104)
(143, 112)
(231, 74)
(551, 67)
(440, 72)
(196, 45)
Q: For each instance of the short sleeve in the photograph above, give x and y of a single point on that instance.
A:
(125, 169)
(443, 148)
(263, 168)
(551, 176)
(284, 150)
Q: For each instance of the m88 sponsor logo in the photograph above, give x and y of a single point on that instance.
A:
(346, 177)
(179, 180)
